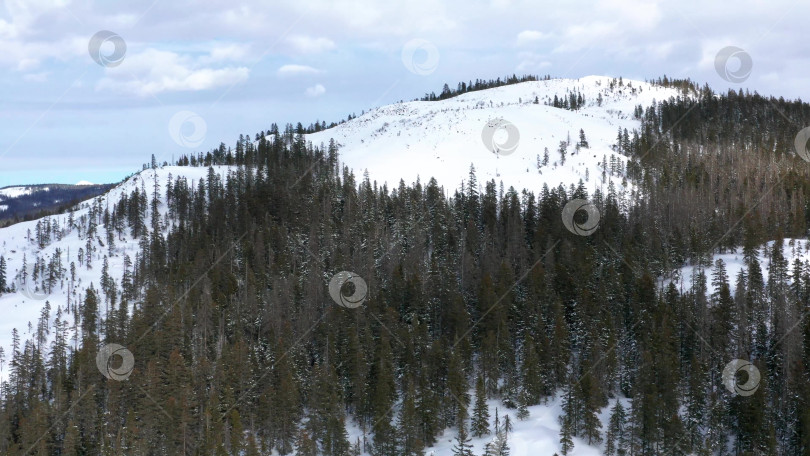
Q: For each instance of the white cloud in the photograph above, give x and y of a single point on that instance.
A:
(530, 36)
(531, 63)
(27, 64)
(309, 45)
(37, 77)
(232, 52)
(316, 90)
(640, 14)
(296, 70)
(577, 37)
(155, 71)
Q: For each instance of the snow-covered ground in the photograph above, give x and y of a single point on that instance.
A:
(538, 435)
(24, 307)
(401, 141)
(792, 249)
(442, 138)
(17, 191)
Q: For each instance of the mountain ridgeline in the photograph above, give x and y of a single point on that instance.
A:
(473, 293)
(36, 201)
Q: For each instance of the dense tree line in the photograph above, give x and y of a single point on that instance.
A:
(479, 84)
(239, 348)
(58, 198)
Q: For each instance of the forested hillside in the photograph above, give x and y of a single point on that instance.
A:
(454, 296)
(36, 201)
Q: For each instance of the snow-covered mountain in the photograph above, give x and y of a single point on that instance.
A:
(438, 139)
(20, 248)
(442, 139)
(34, 200)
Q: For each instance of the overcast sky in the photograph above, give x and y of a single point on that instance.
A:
(175, 76)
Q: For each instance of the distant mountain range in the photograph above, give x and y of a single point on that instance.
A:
(20, 203)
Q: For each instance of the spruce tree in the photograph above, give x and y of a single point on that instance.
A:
(480, 418)
(615, 438)
(3, 285)
(462, 446)
(523, 410)
(409, 425)
(566, 435)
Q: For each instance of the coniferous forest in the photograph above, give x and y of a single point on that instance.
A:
(475, 291)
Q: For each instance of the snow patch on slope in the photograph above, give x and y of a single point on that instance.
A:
(14, 192)
(442, 138)
(793, 249)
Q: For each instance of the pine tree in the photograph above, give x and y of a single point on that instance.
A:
(304, 445)
(409, 425)
(589, 408)
(3, 284)
(615, 438)
(480, 418)
(462, 446)
(532, 378)
(583, 143)
(523, 410)
(385, 438)
(566, 435)
(499, 446)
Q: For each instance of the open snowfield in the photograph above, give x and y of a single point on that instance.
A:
(442, 139)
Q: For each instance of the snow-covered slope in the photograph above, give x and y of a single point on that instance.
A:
(538, 435)
(17, 191)
(18, 245)
(442, 138)
(401, 141)
(792, 249)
